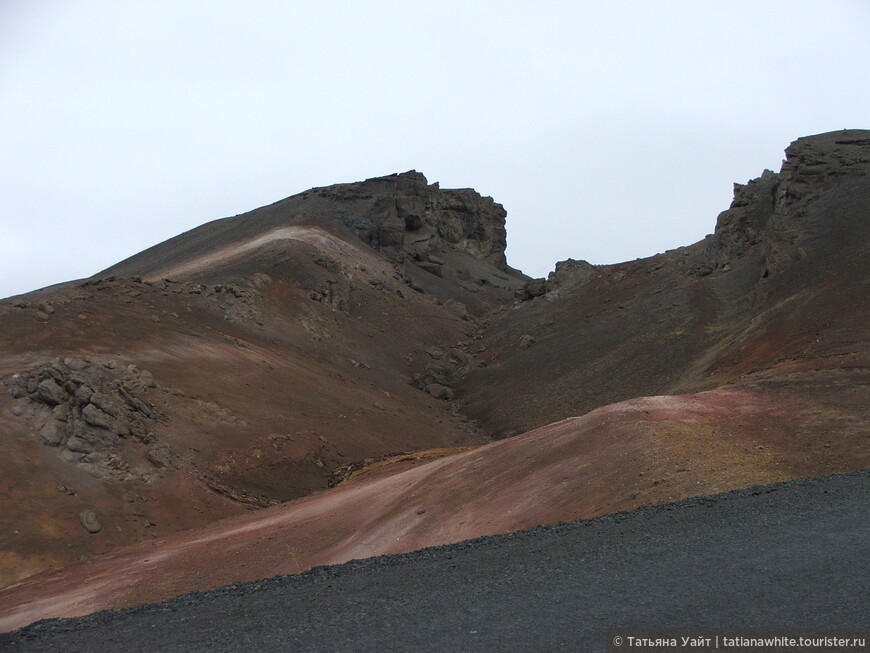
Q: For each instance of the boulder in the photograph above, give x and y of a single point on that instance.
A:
(440, 391)
(430, 267)
(536, 288)
(83, 395)
(50, 392)
(526, 341)
(96, 417)
(79, 445)
(572, 272)
(52, 433)
(146, 379)
(89, 520)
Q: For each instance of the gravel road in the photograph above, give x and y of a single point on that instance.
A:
(788, 555)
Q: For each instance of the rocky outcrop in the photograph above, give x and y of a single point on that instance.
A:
(567, 273)
(409, 218)
(770, 216)
(87, 410)
(446, 367)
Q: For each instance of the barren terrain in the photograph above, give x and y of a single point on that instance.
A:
(356, 371)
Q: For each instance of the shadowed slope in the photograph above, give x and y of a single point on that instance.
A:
(781, 289)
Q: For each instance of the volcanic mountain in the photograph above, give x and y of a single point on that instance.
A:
(356, 370)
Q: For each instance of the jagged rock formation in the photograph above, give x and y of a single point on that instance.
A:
(87, 410)
(339, 326)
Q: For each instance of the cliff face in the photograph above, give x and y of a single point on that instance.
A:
(815, 205)
(408, 218)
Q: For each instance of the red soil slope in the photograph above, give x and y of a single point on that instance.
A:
(639, 452)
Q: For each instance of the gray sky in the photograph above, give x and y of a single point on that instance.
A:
(609, 130)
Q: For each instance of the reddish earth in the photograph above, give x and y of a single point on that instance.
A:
(640, 452)
(373, 333)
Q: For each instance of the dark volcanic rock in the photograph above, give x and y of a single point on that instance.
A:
(162, 456)
(439, 391)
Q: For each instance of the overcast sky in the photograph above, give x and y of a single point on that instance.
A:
(609, 130)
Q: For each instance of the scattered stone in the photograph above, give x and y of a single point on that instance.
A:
(83, 395)
(18, 388)
(143, 406)
(90, 522)
(96, 417)
(68, 456)
(85, 408)
(155, 319)
(526, 341)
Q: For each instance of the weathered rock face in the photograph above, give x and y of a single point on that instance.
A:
(87, 410)
(410, 218)
(774, 218)
(567, 273)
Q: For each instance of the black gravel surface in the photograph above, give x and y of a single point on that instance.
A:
(788, 555)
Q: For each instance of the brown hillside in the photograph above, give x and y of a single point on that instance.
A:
(264, 358)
